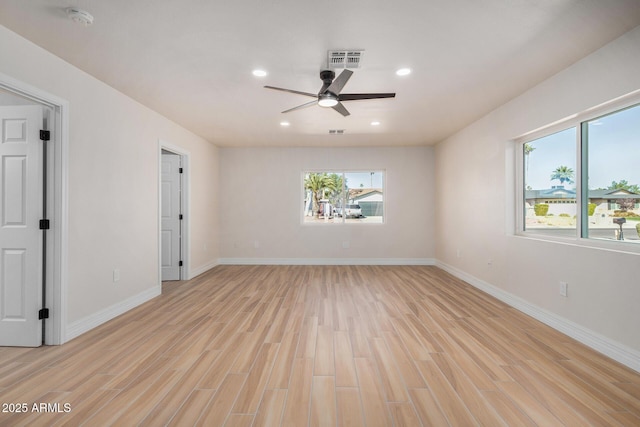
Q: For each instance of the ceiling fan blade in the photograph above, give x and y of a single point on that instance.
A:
(313, 95)
(356, 96)
(340, 81)
(306, 104)
(340, 109)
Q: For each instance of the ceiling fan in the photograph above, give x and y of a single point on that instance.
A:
(329, 94)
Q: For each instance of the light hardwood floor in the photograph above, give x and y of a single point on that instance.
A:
(320, 346)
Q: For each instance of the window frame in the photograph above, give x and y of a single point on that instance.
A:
(579, 122)
(343, 172)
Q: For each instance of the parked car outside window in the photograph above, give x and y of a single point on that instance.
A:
(353, 211)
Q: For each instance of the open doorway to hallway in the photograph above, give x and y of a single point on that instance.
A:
(173, 213)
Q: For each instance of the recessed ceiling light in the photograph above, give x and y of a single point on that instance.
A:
(259, 73)
(375, 123)
(285, 124)
(403, 71)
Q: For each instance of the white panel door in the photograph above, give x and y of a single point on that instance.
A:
(20, 235)
(170, 206)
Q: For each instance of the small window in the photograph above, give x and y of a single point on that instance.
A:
(549, 184)
(332, 197)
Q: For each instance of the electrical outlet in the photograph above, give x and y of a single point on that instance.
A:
(563, 289)
(345, 244)
(116, 275)
(458, 253)
(256, 244)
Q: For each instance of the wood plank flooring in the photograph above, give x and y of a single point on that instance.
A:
(319, 346)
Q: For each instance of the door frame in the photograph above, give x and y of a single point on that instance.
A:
(185, 248)
(57, 240)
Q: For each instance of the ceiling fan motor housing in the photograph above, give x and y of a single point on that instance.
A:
(327, 76)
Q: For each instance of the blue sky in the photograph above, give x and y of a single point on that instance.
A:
(354, 179)
(614, 152)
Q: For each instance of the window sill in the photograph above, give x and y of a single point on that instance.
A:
(597, 244)
(329, 223)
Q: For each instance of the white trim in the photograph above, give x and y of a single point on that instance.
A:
(185, 248)
(94, 320)
(327, 261)
(613, 349)
(606, 108)
(58, 278)
(203, 269)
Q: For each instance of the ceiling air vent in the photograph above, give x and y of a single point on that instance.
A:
(336, 131)
(344, 58)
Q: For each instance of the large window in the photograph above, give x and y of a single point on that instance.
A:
(584, 181)
(336, 197)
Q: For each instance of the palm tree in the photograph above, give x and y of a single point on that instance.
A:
(563, 174)
(321, 186)
(315, 183)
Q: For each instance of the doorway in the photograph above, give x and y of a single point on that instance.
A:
(32, 215)
(173, 213)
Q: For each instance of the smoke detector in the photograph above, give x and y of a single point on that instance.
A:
(80, 16)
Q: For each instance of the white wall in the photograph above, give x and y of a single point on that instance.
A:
(261, 200)
(477, 164)
(113, 182)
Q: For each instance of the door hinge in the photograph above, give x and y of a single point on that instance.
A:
(181, 170)
(44, 224)
(43, 314)
(45, 135)
(180, 217)
(180, 264)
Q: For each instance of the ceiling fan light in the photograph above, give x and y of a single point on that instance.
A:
(403, 71)
(327, 102)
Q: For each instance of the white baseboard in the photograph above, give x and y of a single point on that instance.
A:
(195, 272)
(613, 349)
(327, 261)
(81, 326)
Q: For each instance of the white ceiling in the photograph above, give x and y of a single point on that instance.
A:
(191, 60)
